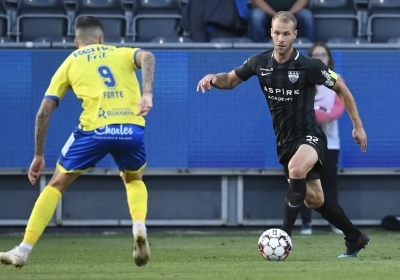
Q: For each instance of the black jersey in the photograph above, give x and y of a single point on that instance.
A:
(289, 88)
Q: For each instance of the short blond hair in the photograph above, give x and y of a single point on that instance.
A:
(285, 17)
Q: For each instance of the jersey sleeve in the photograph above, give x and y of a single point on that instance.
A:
(131, 54)
(320, 74)
(59, 83)
(248, 69)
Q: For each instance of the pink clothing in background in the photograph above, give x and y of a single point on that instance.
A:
(337, 111)
(327, 103)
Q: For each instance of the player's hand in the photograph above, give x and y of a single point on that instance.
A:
(35, 169)
(145, 104)
(205, 83)
(361, 138)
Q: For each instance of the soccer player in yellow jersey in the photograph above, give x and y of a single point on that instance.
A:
(112, 122)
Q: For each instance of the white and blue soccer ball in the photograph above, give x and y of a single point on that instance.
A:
(275, 245)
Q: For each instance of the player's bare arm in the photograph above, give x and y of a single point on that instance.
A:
(146, 62)
(42, 124)
(220, 81)
(349, 103)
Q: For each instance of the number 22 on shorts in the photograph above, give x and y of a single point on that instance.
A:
(107, 76)
(312, 139)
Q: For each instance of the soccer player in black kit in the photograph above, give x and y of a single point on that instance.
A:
(288, 81)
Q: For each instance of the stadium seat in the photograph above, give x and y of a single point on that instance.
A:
(38, 18)
(54, 40)
(335, 19)
(394, 41)
(356, 41)
(231, 40)
(177, 39)
(219, 32)
(300, 40)
(111, 13)
(6, 40)
(382, 15)
(4, 20)
(155, 18)
(184, 3)
(117, 40)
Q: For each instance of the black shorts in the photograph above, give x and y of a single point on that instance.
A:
(286, 152)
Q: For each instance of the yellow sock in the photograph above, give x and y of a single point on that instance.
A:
(137, 200)
(42, 213)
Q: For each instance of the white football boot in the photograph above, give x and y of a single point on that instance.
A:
(141, 250)
(17, 256)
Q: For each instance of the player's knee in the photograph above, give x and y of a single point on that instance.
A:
(129, 177)
(297, 171)
(58, 184)
(314, 200)
(61, 181)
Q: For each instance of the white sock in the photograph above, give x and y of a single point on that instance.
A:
(26, 246)
(138, 225)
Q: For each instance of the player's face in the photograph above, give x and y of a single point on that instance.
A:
(321, 53)
(283, 36)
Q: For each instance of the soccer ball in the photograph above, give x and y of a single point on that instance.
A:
(275, 245)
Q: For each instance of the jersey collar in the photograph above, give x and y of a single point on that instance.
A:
(294, 56)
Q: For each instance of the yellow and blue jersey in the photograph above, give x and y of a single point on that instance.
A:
(103, 78)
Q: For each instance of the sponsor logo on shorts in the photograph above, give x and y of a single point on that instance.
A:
(114, 132)
(120, 130)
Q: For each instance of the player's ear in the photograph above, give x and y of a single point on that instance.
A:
(271, 32)
(76, 44)
(101, 40)
(295, 34)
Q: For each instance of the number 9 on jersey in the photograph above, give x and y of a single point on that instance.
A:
(107, 76)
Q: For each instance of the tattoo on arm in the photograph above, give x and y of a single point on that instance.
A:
(42, 124)
(147, 63)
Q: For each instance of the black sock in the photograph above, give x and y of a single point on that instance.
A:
(331, 211)
(294, 200)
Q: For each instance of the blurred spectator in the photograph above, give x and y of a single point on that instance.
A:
(264, 10)
(209, 19)
(328, 109)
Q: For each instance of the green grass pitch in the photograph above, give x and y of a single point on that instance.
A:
(203, 256)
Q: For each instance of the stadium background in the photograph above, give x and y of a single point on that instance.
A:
(211, 158)
(189, 130)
